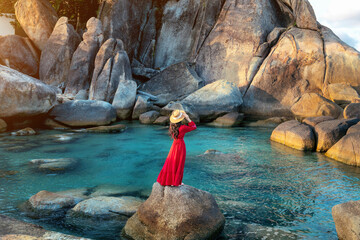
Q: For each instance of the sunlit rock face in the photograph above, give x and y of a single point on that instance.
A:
(37, 18)
(22, 95)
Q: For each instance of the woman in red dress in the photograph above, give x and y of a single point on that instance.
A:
(172, 172)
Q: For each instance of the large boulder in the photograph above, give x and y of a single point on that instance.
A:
(149, 117)
(241, 28)
(176, 81)
(352, 111)
(180, 212)
(111, 65)
(329, 132)
(346, 218)
(294, 66)
(342, 61)
(57, 53)
(347, 150)
(83, 60)
(180, 31)
(80, 113)
(21, 95)
(142, 105)
(18, 53)
(37, 18)
(215, 99)
(295, 135)
(300, 12)
(124, 19)
(125, 98)
(314, 105)
(341, 93)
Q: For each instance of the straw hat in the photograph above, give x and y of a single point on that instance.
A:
(177, 116)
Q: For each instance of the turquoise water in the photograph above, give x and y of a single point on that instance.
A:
(257, 184)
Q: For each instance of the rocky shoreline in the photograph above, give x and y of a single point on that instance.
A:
(221, 61)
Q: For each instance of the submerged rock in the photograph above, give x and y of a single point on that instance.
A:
(47, 204)
(22, 95)
(104, 129)
(347, 150)
(24, 132)
(112, 190)
(54, 165)
(37, 18)
(80, 113)
(13, 229)
(180, 212)
(346, 218)
(295, 135)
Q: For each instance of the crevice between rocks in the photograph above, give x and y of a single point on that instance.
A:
(325, 62)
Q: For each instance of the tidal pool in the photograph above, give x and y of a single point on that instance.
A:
(263, 189)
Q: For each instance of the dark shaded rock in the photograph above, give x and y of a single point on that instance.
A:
(18, 53)
(295, 135)
(329, 132)
(80, 113)
(83, 60)
(21, 95)
(313, 121)
(346, 218)
(181, 212)
(37, 18)
(144, 73)
(149, 117)
(54, 125)
(181, 20)
(176, 81)
(274, 35)
(162, 120)
(57, 53)
(352, 111)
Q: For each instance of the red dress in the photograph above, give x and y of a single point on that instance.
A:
(173, 169)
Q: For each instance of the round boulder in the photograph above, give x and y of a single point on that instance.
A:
(228, 120)
(180, 212)
(295, 135)
(149, 117)
(341, 93)
(352, 111)
(80, 113)
(346, 218)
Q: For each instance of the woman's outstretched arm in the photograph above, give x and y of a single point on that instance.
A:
(191, 127)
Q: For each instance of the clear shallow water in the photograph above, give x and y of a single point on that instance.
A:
(263, 189)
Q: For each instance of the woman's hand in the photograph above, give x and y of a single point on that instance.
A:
(187, 117)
